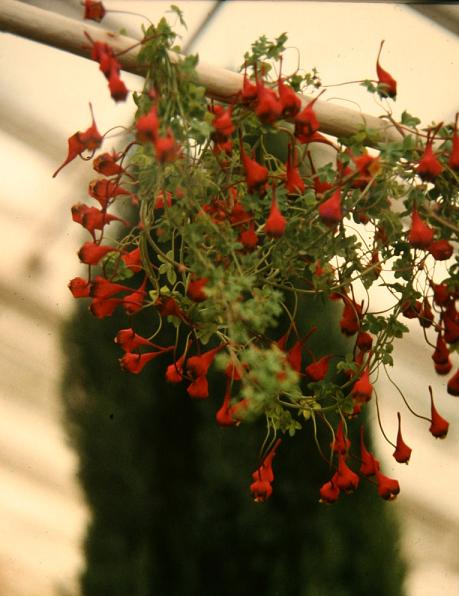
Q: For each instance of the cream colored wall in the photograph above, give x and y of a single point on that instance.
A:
(44, 97)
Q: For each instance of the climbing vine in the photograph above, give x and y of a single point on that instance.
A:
(225, 236)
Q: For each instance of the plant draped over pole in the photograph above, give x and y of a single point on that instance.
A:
(228, 237)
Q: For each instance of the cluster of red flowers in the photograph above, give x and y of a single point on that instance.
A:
(354, 172)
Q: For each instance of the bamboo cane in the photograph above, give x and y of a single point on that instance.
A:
(67, 34)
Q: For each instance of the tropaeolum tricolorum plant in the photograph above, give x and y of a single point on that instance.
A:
(228, 237)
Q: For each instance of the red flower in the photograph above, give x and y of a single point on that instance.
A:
(268, 107)
(364, 341)
(106, 165)
(93, 10)
(294, 182)
(426, 315)
(147, 126)
(104, 307)
(441, 250)
(195, 290)
(118, 89)
(223, 126)
(133, 302)
(317, 371)
(256, 176)
(79, 287)
(363, 389)
(102, 288)
(289, 100)
(92, 218)
(103, 190)
(129, 340)
(420, 235)
(306, 123)
(225, 415)
(249, 90)
(276, 223)
(329, 492)
(91, 253)
(441, 293)
(167, 149)
(402, 452)
(387, 82)
(198, 388)
(248, 238)
(453, 385)
(261, 488)
(133, 260)
(345, 478)
(340, 443)
(369, 465)
(429, 167)
(350, 319)
(439, 426)
(330, 211)
(450, 320)
(199, 365)
(89, 140)
(134, 363)
(388, 488)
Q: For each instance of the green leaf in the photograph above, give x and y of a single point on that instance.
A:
(409, 120)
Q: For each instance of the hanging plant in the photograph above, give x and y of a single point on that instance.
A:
(228, 237)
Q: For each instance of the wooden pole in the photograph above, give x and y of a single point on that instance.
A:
(67, 34)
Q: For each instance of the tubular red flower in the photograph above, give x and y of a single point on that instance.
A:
(388, 83)
(133, 260)
(340, 443)
(79, 287)
(306, 123)
(289, 100)
(441, 292)
(429, 167)
(439, 426)
(133, 302)
(256, 176)
(426, 315)
(317, 371)
(89, 140)
(103, 288)
(224, 415)
(198, 388)
(268, 107)
(350, 319)
(388, 488)
(91, 253)
(166, 148)
(345, 478)
(104, 307)
(276, 223)
(362, 389)
(223, 125)
(94, 11)
(420, 234)
(199, 365)
(147, 126)
(103, 190)
(402, 452)
(134, 363)
(453, 385)
(248, 238)
(330, 211)
(106, 165)
(294, 182)
(118, 89)
(329, 492)
(441, 250)
(129, 340)
(364, 341)
(263, 477)
(369, 465)
(195, 289)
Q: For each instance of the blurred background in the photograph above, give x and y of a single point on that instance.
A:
(44, 96)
